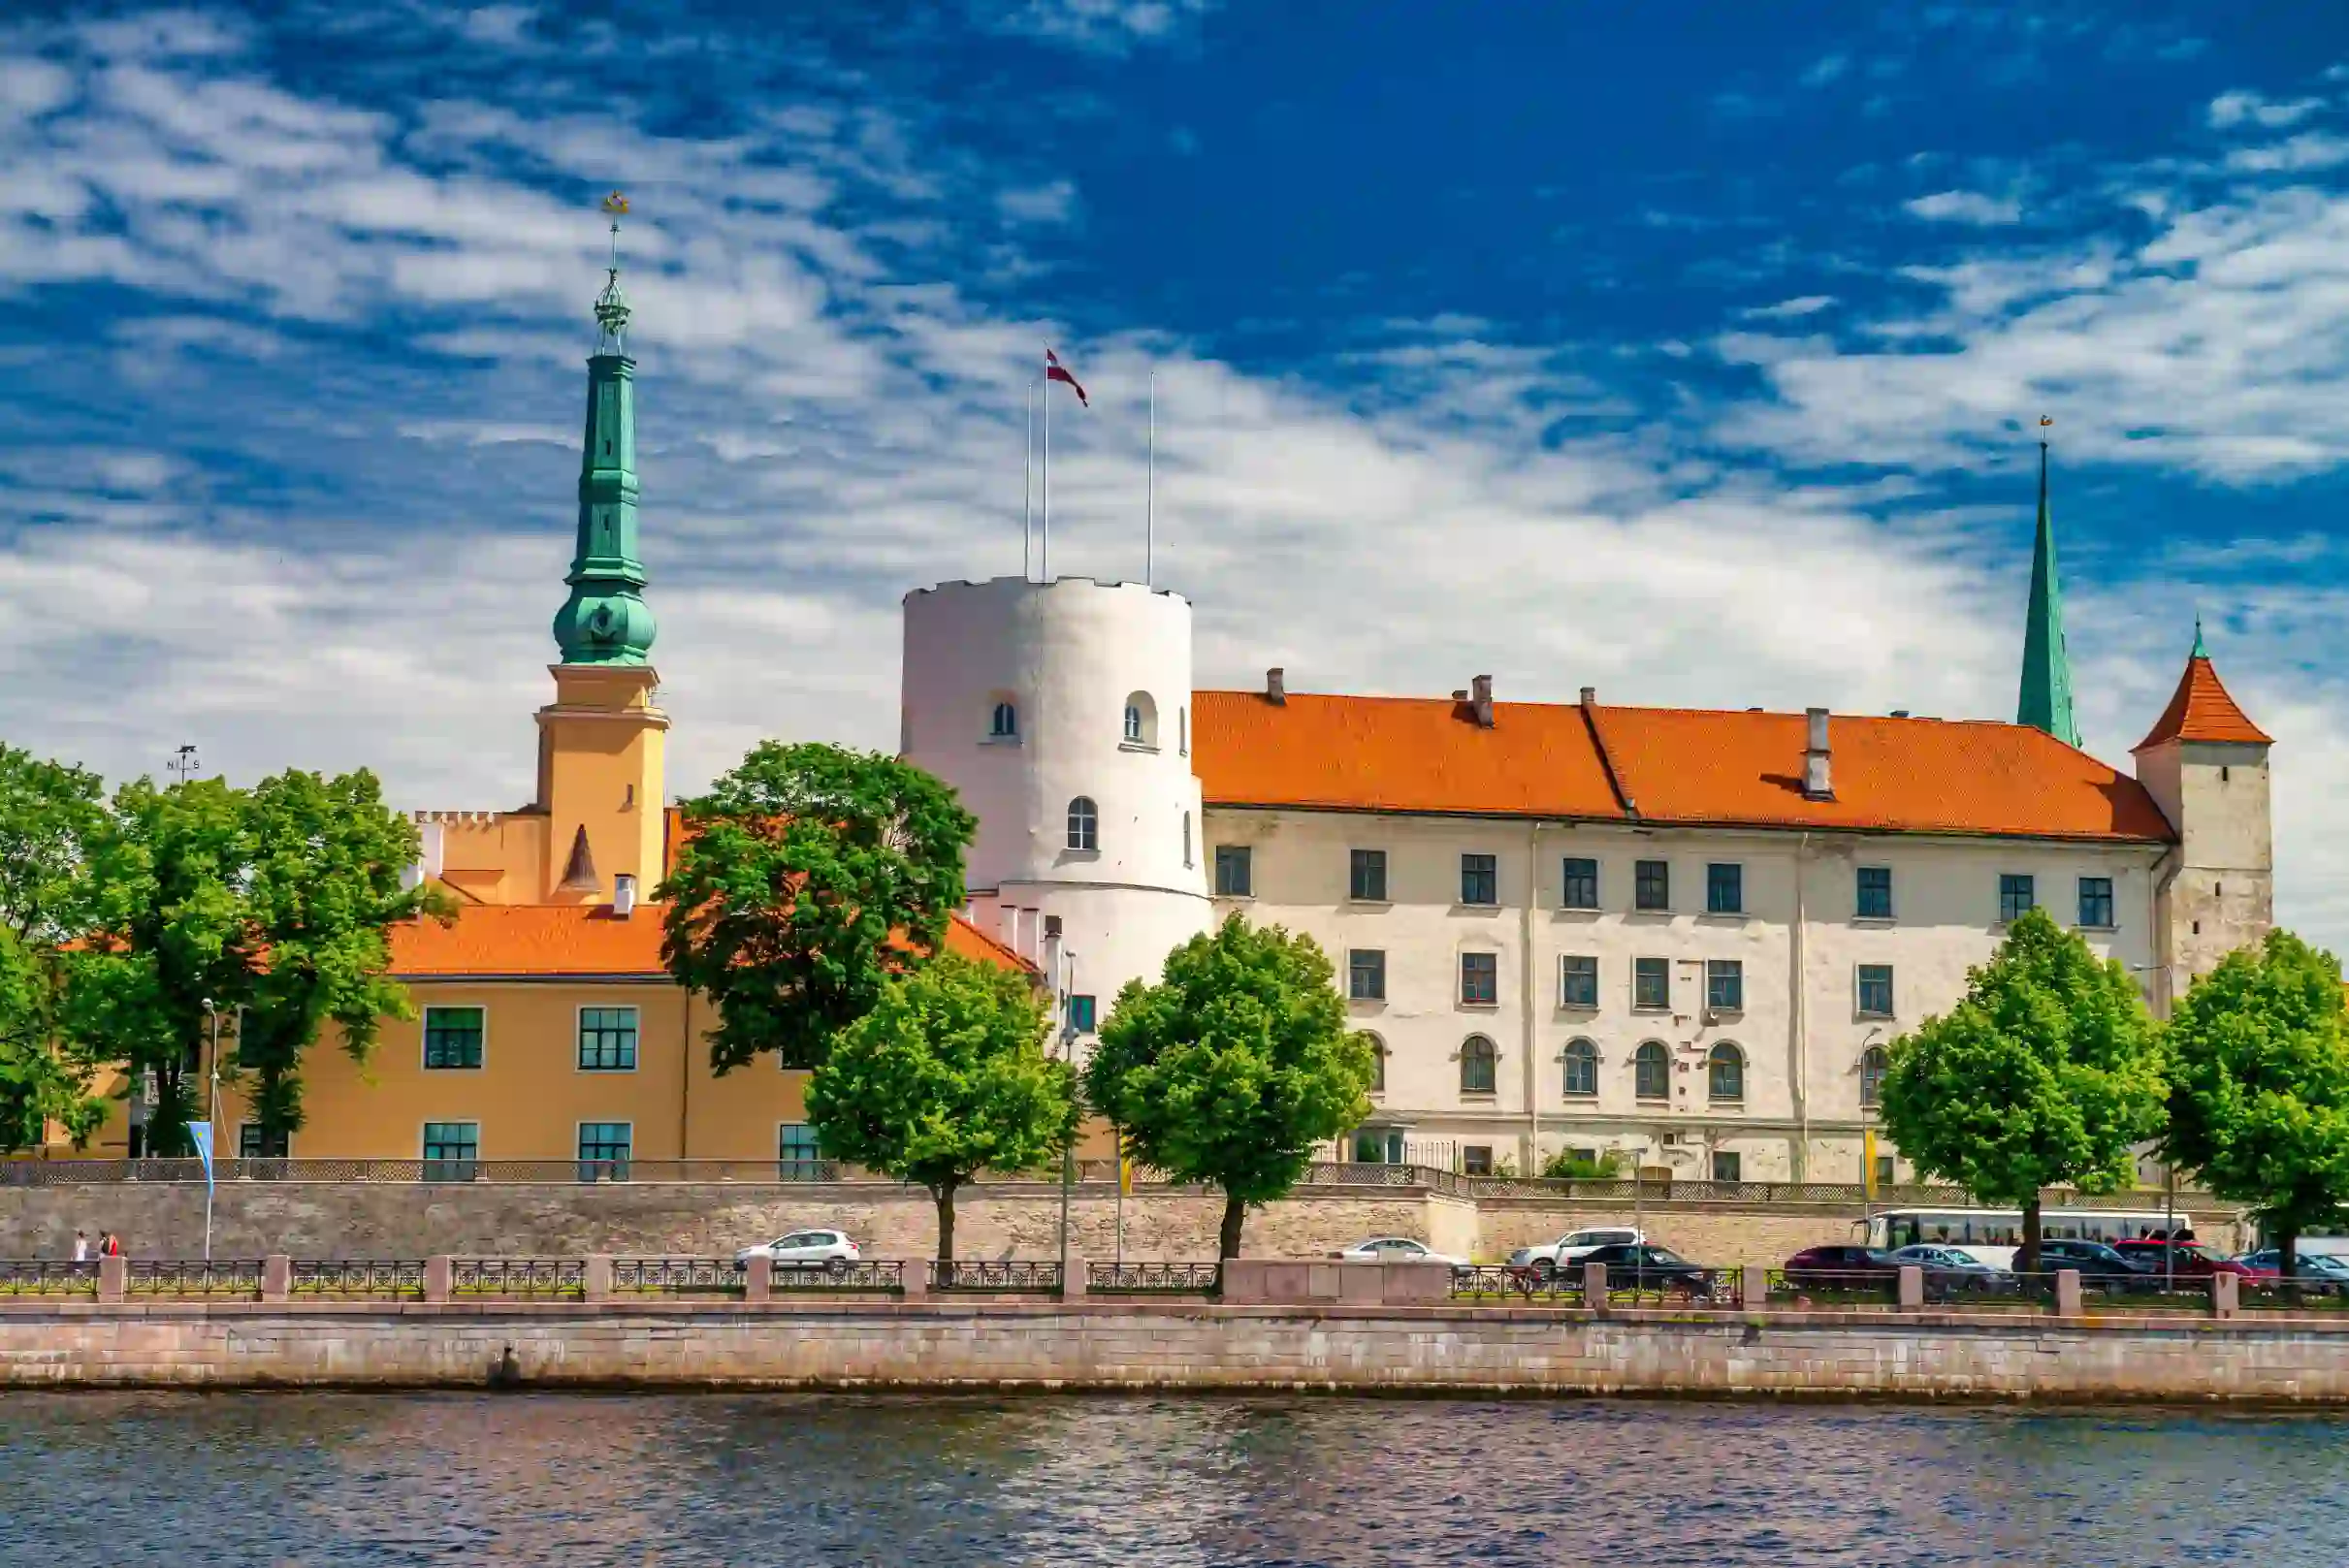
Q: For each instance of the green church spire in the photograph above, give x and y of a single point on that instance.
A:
(605, 620)
(2046, 702)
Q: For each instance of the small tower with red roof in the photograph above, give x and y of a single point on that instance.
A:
(2205, 764)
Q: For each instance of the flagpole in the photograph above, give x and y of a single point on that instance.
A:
(1150, 503)
(1047, 384)
(1027, 497)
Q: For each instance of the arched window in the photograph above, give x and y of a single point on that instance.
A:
(1186, 840)
(1142, 720)
(1874, 1063)
(1725, 1073)
(1085, 824)
(1582, 1068)
(1004, 724)
(1652, 1070)
(1478, 1059)
(1379, 1064)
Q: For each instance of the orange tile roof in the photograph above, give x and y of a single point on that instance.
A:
(547, 940)
(1657, 765)
(2200, 709)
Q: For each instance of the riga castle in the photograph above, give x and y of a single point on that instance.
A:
(1683, 937)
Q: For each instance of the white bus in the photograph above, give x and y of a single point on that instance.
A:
(1992, 1234)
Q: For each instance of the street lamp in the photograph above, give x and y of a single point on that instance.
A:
(1061, 968)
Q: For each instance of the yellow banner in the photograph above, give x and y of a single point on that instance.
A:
(1867, 1162)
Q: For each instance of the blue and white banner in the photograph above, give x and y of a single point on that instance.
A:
(202, 1133)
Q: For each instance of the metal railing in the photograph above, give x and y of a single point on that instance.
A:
(45, 1276)
(2254, 1295)
(396, 1278)
(1152, 1279)
(676, 1276)
(1505, 1283)
(1801, 1288)
(1675, 1287)
(839, 1274)
(1004, 1274)
(193, 1276)
(524, 1278)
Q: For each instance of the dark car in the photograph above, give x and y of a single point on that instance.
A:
(1638, 1265)
(2101, 1268)
(2183, 1259)
(1840, 1268)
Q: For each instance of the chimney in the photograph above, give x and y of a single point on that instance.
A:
(1482, 685)
(1276, 686)
(1817, 782)
(624, 896)
(1590, 696)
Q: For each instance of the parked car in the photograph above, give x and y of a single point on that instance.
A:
(1396, 1250)
(1840, 1267)
(2183, 1259)
(831, 1248)
(1950, 1269)
(2308, 1268)
(1574, 1247)
(2101, 1268)
(1643, 1266)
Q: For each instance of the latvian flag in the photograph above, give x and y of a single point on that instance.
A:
(1055, 371)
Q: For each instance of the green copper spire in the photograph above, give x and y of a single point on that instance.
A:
(2200, 652)
(605, 620)
(2046, 694)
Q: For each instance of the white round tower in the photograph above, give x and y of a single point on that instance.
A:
(1061, 713)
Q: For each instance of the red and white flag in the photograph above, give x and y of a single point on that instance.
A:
(1055, 371)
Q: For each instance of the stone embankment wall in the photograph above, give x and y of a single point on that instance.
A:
(705, 1218)
(1116, 1345)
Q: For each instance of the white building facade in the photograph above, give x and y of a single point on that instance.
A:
(1680, 939)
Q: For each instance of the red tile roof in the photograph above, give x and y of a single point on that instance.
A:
(2200, 709)
(549, 940)
(1657, 765)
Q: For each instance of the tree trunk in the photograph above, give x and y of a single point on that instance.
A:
(1234, 1214)
(2026, 1259)
(943, 1194)
(2286, 1254)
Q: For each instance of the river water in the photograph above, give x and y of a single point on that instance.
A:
(386, 1481)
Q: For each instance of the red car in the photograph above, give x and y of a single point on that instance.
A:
(2183, 1259)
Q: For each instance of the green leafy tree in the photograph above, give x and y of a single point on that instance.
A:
(946, 1077)
(2258, 1086)
(50, 813)
(1234, 1067)
(2046, 1074)
(809, 875)
(208, 902)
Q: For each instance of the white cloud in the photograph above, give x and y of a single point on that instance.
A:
(2230, 109)
(1100, 26)
(1966, 207)
(2311, 150)
(1807, 305)
(1051, 202)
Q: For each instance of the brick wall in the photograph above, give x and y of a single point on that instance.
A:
(1095, 1344)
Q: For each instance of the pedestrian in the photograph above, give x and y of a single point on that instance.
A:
(111, 1247)
(82, 1246)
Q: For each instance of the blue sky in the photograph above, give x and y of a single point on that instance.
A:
(1687, 351)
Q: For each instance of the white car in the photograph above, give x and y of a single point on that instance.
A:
(1572, 1248)
(804, 1247)
(1396, 1250)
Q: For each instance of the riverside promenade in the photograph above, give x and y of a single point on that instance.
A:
(1251, 1326)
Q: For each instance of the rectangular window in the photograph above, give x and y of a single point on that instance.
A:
(1725, 888)
(1729, 1165)
(1366, 974)
(2014, 897)
(1874, 893)
(1652, 984)
(1726, 984)
(450, 1149)
(608, 1040)
(1479, 878)
(1476, 1160)
(1367, 876)
(603, 1150)
(1234, 874)
(1480, 980)
(253, 1144)
(1876, 990)
(796, 1157)
(1650, 885)
(1580, 880)
(1082, 1014)
(1578, 980)
(1887, 1167)
(2095, 903)
(452, 1037)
